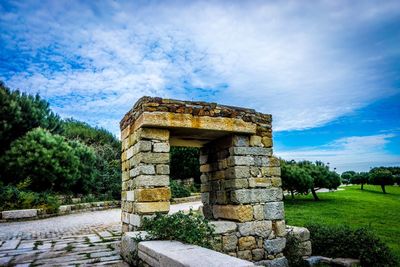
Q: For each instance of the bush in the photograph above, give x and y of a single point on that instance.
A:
(178, 190)
(13, 198)
(344, 242)
(188, 228)
(50, 162)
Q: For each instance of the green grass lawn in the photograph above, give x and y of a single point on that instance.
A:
(353, 207)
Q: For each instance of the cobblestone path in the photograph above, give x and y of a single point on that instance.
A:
(81, 239)
(84, 239)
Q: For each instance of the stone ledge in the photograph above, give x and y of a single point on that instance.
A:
(33, 214)
(174, 253)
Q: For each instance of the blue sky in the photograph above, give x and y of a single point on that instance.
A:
(328, 71)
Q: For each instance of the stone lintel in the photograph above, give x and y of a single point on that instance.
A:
(177, 120)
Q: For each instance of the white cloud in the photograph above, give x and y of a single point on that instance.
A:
(297, 60)
(357, 153)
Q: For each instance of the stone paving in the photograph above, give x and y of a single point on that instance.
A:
(85, 239)
(81, 239)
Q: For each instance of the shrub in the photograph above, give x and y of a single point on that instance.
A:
(178, 190)
(13, 198)
(51, 162)
(189, 228)
(344, 242)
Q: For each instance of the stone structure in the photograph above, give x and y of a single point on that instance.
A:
(241, 185)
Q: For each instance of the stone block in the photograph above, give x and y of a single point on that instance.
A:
(244, 255)
(258, 212)
(253, 151)
(125, 176)
(149, 158)
(203, 159)
(256, 195)
(161, 147)
(247, 242)
(151, 207)
(64, 209)
(154, 134)
(236, 183)
(125, 217)
(240, 160)
(151, 181)
(130, 195)
(275, 246)
(241, 213)
(304, 248)
(274, 211)
(137, 220)
(19, 214)
(229, 242)
(141, 146)
(260, 182)
(276, 182)
(129, 245)
(278, 262)
(153, 194)
(255, 140)
(237, 172)
(280, 228)
(223, 227)
(240, 140)
(258, 254)
(257, 228)
(142, 169)
(271, 171)
(205, 198)
(162, 169)
(266, 141)
(300, 233)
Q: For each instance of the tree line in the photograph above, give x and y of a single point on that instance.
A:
(381, 176)
(304, 177)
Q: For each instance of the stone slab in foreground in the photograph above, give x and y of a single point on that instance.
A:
(174, 253)
(19, 214)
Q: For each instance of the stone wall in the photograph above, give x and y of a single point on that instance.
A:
(145, 176)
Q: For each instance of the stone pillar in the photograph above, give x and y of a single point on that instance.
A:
(241, 183)
(145, 175)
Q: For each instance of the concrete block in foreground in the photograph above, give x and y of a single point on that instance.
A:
(174, 253)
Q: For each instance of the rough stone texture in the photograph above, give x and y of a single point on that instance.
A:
(229, 242)
(223, 227)
(129, 245)
(245, 196)
(151, 207)
(301, 235)
(346, 262)
(278, 262)
(241, 213)
(152, 194)
(274, 211)
(257, 228)
(247, 242)
(19, 214)
(275, 246)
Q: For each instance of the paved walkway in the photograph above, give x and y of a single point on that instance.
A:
(81, 239)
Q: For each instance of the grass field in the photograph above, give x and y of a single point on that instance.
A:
(353, 207)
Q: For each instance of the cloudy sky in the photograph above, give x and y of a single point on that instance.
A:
(328, 71)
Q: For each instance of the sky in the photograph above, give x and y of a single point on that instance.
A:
(327, 71)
